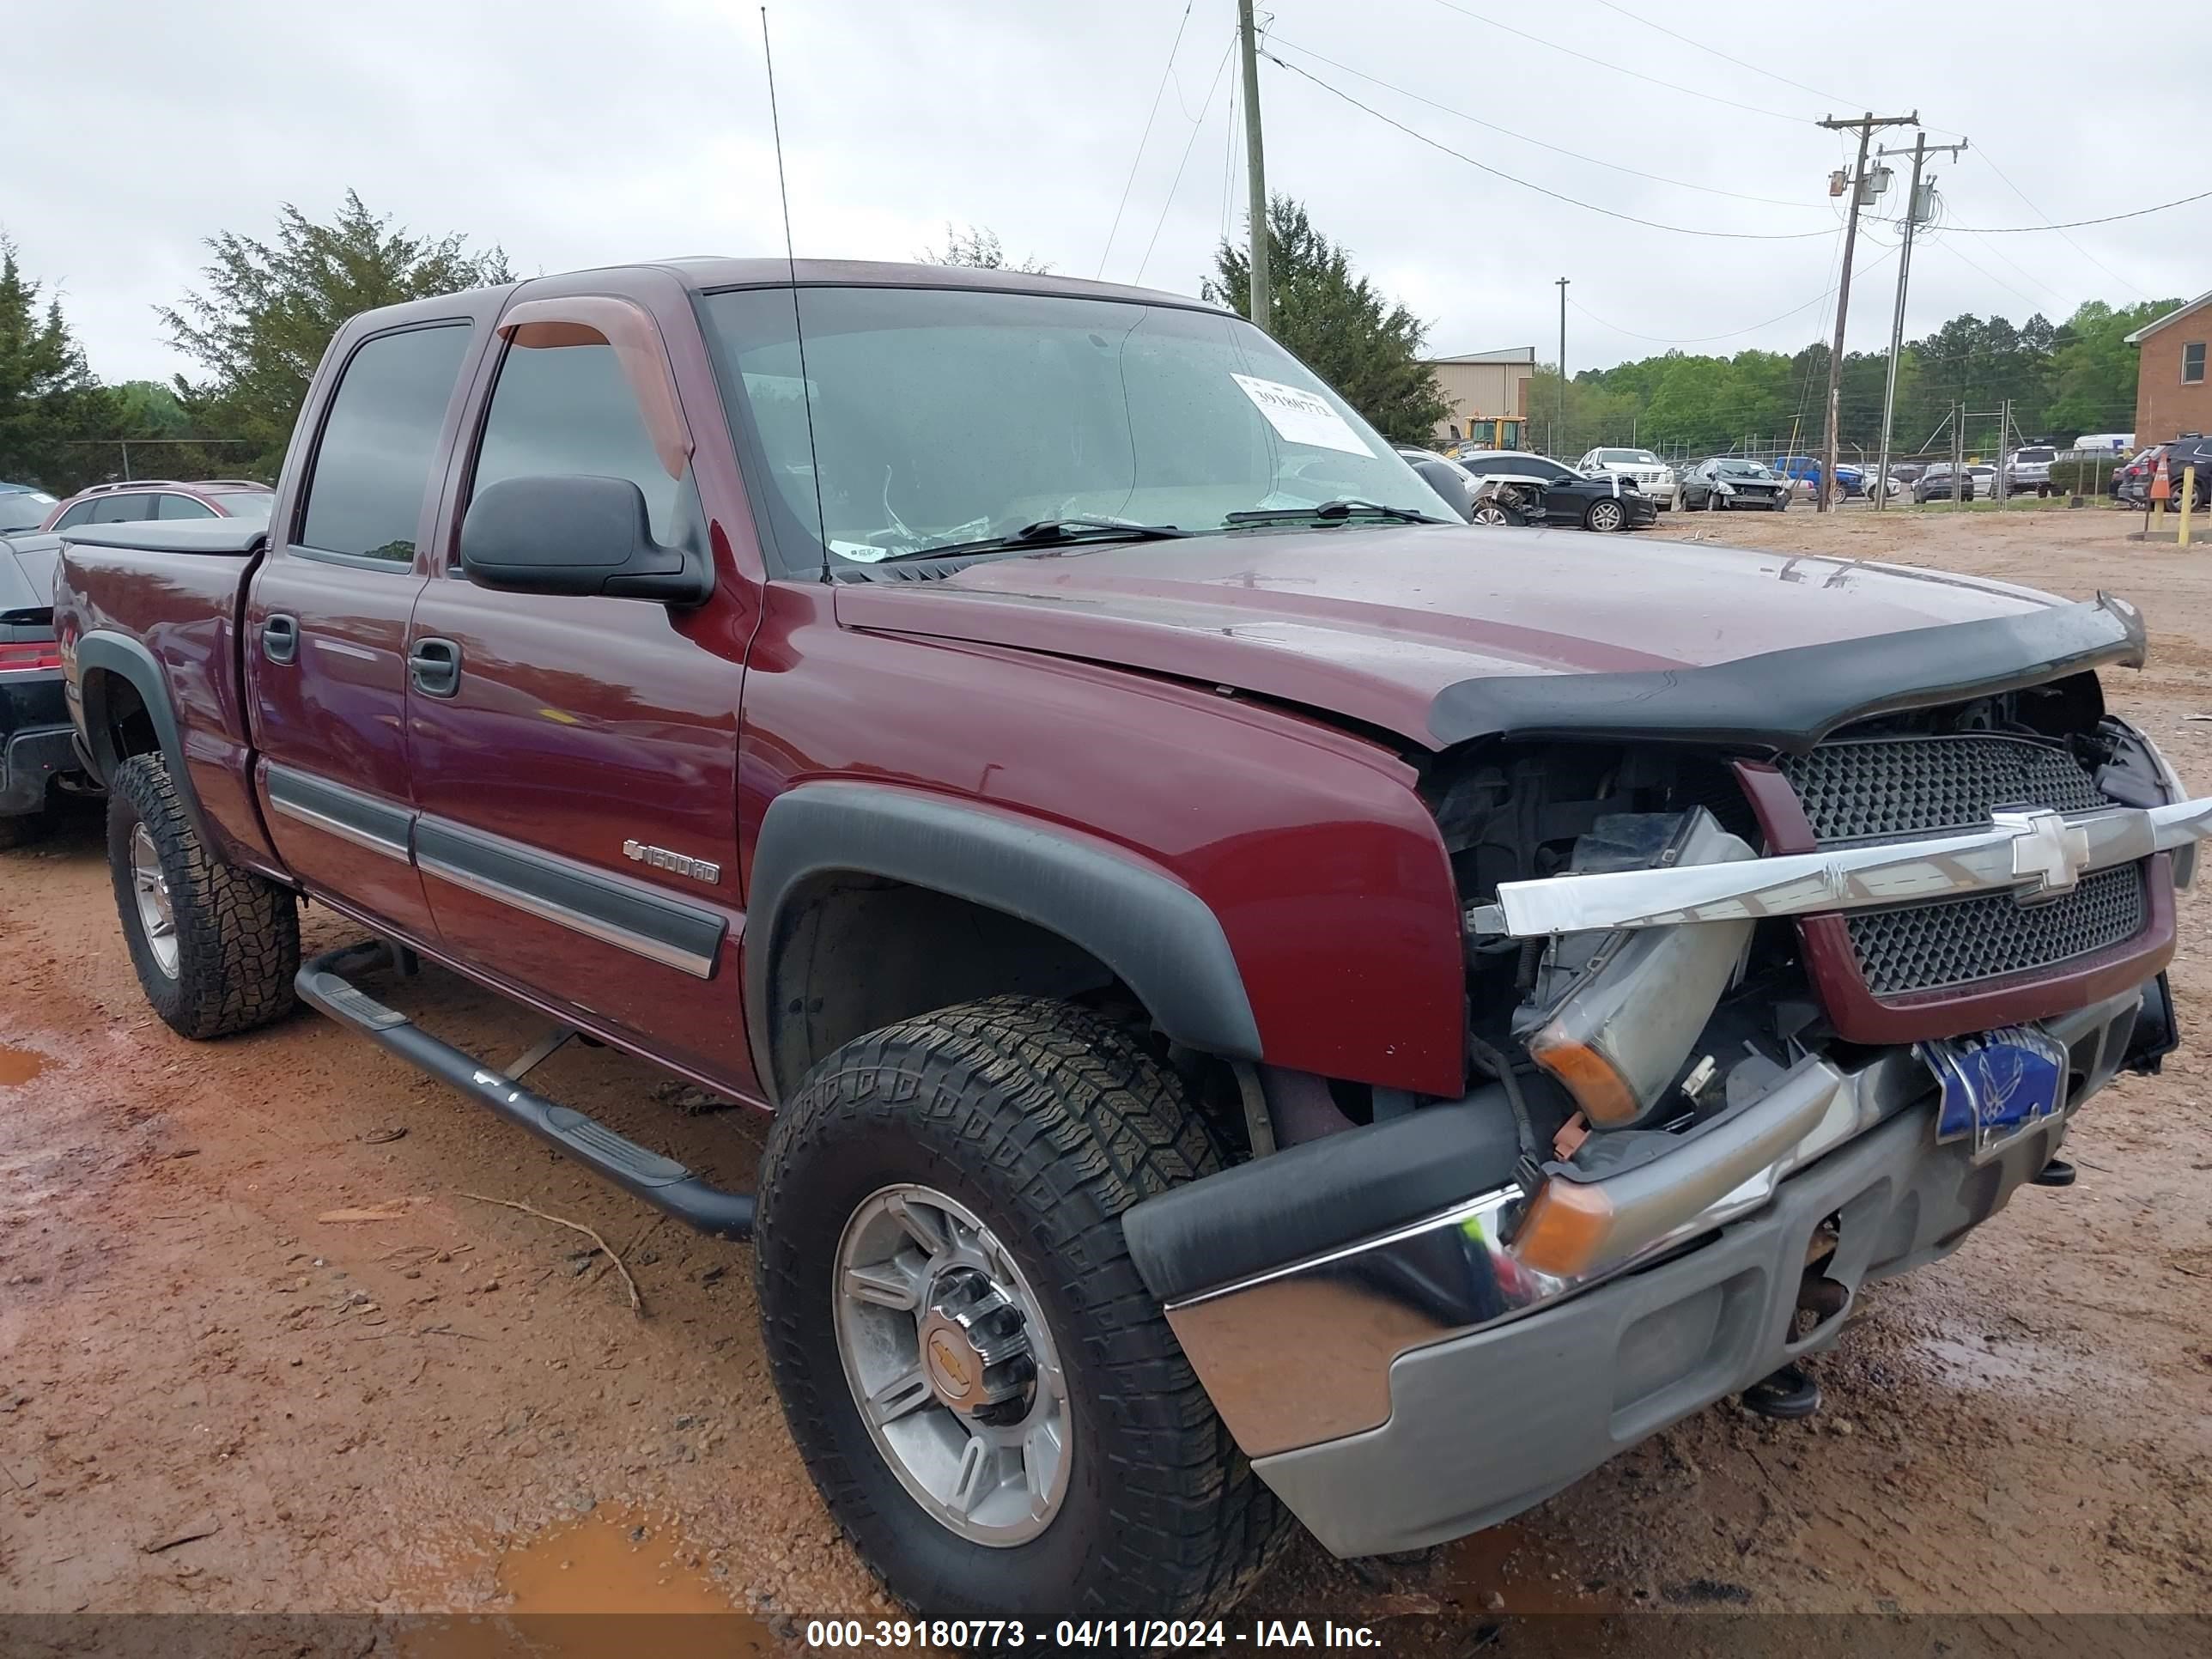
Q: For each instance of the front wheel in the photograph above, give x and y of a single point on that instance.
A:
(984, 1393)
(1604, 517)
(1496, 513)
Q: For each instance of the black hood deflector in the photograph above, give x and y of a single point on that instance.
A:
(1788, 701)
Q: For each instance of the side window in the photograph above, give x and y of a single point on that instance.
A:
(181, 507)
(567, 411)
(81, 513)
(131, 508)
(2192, 363)
(1551, 471)
(372, 468)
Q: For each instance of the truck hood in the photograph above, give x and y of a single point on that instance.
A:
(1375, 624)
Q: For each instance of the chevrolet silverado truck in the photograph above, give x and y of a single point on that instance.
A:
(1274, 1001)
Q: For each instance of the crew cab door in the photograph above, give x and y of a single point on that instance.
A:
(326, 620)
(575, 758)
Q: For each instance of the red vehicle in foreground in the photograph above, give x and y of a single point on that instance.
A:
(1271, 997)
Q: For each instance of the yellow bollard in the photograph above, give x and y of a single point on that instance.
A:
(2188, 504)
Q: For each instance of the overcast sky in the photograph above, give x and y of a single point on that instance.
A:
(577, 134)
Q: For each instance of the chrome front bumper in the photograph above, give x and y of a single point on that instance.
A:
(1305, 1353)
(2032, 853)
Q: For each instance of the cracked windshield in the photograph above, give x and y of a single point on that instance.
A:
(983, 421)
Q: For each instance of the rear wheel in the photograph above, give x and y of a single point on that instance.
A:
(1604, 516)
(985, 1395)
(214, 948)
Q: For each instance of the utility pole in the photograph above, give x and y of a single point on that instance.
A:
(1559, 413)
(1865, 126)
(1916, 213)
(1256, 167)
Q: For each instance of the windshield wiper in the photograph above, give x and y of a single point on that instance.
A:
(1047, 532)
(1333, 510)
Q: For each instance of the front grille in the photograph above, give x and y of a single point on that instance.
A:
(1870, 788)
(1928, 947)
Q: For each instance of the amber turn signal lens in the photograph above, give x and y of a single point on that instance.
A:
(1589, 1076)
(1565, 1226)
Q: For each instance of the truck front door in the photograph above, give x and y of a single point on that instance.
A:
(325, 636)
(576, 768)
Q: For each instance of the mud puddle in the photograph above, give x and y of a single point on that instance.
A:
(610, 1581)
(19, 1066)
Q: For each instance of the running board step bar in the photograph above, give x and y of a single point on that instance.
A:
(660, 1181)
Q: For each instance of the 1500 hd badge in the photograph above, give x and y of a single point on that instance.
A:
(676, 864)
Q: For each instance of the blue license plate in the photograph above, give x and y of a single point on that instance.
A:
(1996, 1086)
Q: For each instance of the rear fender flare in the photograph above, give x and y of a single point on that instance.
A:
(103, 653)
(1159, 937)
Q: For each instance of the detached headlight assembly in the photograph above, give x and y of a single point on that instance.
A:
(1618, 1015)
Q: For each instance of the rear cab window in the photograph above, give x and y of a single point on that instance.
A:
(373, 462)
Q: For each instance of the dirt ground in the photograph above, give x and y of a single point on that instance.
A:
(270, 1340)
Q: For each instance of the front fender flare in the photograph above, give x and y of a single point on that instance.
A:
(1158, 937)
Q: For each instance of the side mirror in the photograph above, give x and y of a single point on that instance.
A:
(1449, 482)
(575, 535)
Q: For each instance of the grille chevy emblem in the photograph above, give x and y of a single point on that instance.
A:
(2048, 853)
(675, 863)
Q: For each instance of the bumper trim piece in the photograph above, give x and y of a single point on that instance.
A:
(1483, 1423)
(2033, 853)
(1350, 1313)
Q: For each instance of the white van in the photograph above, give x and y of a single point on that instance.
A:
(2119, 442)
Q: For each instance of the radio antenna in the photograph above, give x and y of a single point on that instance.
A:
(798, 329)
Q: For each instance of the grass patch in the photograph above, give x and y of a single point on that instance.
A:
(2017, 504)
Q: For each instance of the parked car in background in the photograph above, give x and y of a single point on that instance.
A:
(23, 507)
(2027, 470)
(2131, 482)
(37, 758)
(142, 500)
(1940, 483)
(2191, 449)
(1806, 470)
(2120, 441)
(1651, 475)
(1730, 481)
(1549, 493)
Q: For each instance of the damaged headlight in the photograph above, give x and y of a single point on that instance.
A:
(1614, 1016)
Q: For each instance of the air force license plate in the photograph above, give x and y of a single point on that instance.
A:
(1996, 1086)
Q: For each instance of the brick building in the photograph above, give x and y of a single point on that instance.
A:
(2173, 387)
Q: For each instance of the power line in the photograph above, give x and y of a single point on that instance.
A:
(1693, 92)
(2045, 217)
(1657, 178)
(1756, 69)
(1541, 190)
(1189, 144)
(2072, 224)
(1159, 92)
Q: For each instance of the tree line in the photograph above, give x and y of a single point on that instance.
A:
(2064, 379)
(258, 323)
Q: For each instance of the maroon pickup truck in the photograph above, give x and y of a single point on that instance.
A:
(1272, 998)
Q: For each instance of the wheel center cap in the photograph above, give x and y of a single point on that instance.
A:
(954, 1369)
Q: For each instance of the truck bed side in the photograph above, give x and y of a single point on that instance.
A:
(149, 617)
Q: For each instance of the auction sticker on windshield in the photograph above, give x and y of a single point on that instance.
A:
(1300, 416)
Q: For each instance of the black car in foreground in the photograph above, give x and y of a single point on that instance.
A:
(36, 754)
(1550, 493)
(1727, 481)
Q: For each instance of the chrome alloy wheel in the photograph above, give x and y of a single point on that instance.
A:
(157, 918)
(953, 1366)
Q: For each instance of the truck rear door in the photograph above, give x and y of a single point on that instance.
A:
(326, 622)
(576, 768)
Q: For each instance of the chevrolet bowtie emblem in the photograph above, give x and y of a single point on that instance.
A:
(2048, 853)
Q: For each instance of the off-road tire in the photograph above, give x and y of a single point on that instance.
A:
(1047, 1122)
(237, 935)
